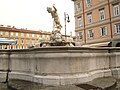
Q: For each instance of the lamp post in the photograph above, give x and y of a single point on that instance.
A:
(66, 17)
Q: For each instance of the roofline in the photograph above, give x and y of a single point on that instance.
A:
(22, 30)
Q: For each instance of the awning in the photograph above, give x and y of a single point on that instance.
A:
(97, 44)
(5, 41)
(100, 44)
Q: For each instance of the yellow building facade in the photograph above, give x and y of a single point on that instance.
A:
(25, 38)
(97, 22)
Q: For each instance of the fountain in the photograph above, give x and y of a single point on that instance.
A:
(59, 66)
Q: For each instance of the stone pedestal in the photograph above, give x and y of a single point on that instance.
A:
(56, 39)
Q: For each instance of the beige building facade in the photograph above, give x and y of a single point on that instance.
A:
(97, 22)
(25, 38)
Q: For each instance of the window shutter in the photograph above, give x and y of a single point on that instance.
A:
(115, 29)
(106, 30)
(88, 34)
(100, 31)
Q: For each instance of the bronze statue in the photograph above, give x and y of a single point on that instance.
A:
(54, 14)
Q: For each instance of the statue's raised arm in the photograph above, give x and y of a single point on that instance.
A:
(55, 8)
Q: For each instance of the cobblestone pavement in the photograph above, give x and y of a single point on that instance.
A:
(31, 86)
(3, 86)
(97, 84)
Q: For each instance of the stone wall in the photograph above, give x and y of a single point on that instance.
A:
(59, 65)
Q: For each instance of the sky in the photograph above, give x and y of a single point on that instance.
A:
(33, 15)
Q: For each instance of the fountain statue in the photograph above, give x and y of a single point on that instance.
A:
(56, 38)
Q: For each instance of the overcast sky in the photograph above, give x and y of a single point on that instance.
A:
(32, 14)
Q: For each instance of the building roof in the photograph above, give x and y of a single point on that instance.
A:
(23, 30)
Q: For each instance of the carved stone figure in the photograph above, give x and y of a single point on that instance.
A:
(56, 38)
(54, 14)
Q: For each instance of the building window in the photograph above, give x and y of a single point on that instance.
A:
(43, 37)
(38, 36)
(22, 47)
(89, 18)
(116, 9)
(88, 3)
(6, 47)
(103, 31)
(11, 33)
(102, 14)
(1, 33)
(6, 33)
(17, 34)
(90, 34)
(47, 37)
(22, 34)
(80, 35)
(79, 21)
(32, 35)
(78, 7)
(16, 41)
(22, 41)
(27, 35)
(117, 28)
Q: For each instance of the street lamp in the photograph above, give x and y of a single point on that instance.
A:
(66, 16)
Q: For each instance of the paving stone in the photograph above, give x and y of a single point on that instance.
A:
(100, 83)
(105, 83)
